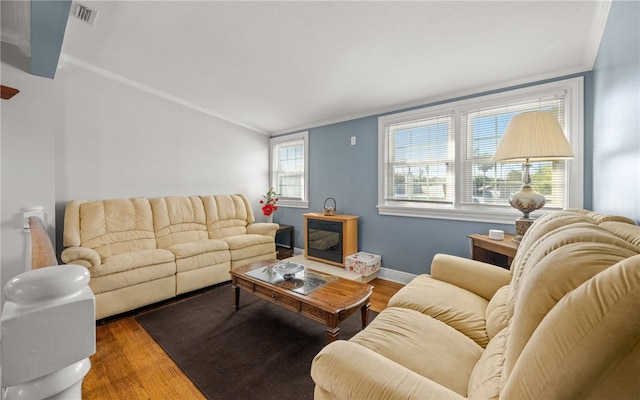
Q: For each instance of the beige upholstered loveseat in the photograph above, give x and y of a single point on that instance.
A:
(564, 323)
(140, 251)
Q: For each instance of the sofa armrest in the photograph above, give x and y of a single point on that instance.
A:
(81, 256)
(347, 370)
(263, 228)
(480, 278)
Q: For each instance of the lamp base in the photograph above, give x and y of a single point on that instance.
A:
(522, 225)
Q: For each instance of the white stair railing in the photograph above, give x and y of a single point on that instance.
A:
(47, 333)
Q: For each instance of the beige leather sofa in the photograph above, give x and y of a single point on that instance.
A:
(140, 251)
(564, 323)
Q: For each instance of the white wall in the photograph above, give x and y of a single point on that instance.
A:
(30, 122)
(124, 142)
(86, 136)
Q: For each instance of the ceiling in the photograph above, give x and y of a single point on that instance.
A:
(278, 67)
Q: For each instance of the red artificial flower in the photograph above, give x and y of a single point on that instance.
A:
(269, 204)
(267, 209)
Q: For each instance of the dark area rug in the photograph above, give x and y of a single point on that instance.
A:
(261, 351)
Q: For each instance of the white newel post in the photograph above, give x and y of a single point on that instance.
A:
(48, 333)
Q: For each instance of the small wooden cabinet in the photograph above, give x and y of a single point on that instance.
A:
(285, 241)
(330, 239)
(496, 252)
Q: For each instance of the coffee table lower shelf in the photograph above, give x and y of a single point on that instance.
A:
(330, 304)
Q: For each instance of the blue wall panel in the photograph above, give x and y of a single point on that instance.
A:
(48, 25)
(350, 175)
(616, 82)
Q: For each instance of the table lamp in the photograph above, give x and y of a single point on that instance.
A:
(531, 136)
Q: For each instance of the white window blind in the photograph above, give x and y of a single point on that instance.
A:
(489, 183)
(436, 161)
(419, 160)
(289, 168)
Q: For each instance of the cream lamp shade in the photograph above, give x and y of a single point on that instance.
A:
(531, 136)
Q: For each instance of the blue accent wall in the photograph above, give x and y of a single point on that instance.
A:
(350, 175)
(616, 117)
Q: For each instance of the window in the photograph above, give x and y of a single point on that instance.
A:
(289, 169)
(420, 160)
(436, 161)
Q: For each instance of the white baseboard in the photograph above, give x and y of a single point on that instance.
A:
(395, 276)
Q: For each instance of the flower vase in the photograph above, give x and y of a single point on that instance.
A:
(270, 218)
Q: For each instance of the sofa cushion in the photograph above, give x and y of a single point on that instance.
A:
(557, 274)
(576, 232)
(625, 231)
(534, 241)
(346, 370)
(542, 227)
(600, 218)
(184, 250)
(459, 308)
(116, 226)
(203, 253)
(250, 246)
(178, 219)
(123, 279)
(496, 313)
(588, 345)
(484, 382)
(227, 215)
(131, 261)
(423, 345)
(246, 241)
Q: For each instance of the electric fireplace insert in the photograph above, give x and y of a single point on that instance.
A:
(330, 239)
(325, 239)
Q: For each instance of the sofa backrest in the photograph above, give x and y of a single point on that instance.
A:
(534, 245)
(574, 277)
(109, 226)
(227, 215)
(588, 345)
(178, 219)
(542, 227)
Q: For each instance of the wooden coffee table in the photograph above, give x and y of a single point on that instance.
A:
(329, 304)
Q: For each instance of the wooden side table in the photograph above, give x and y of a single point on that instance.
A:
(496, 252)
(285, 249)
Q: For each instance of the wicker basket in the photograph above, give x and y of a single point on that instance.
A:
(328, 210)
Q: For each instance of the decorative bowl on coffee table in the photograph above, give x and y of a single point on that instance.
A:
(288, 270)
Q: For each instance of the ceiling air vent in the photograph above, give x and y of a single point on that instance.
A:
(85, 14)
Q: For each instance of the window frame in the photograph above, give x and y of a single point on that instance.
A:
(427, 121)
(279, 140)
(574, 174)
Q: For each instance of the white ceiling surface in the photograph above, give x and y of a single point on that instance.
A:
(279, 67)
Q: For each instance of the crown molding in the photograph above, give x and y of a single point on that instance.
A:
(597, 32)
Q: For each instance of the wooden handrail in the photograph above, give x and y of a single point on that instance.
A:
(42, 251)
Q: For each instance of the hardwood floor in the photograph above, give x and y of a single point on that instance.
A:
(382, 292)
(129, 364)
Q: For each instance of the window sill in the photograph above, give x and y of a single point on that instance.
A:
(293, 203)
(495, 215)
